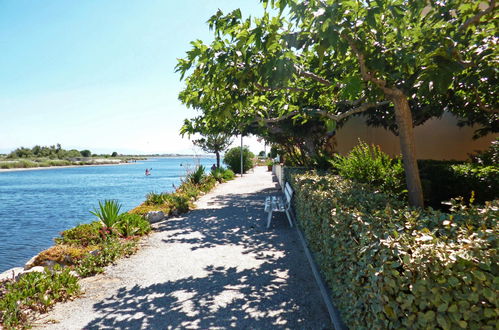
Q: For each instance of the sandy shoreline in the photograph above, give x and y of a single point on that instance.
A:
(56, 167)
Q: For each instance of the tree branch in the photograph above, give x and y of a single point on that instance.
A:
(307, 74)
(337, 117)
(476, 19)
(271, 89)
(365, 73)
(484, 107)
(361, 108)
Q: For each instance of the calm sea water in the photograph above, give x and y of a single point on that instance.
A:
(35, 206)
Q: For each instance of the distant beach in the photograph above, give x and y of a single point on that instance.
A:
(53, 167)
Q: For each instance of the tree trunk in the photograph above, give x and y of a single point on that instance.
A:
(218, 158)
(403, 117)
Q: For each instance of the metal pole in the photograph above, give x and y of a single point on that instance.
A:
(242, 168)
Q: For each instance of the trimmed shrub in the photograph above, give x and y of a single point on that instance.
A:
(391, 267)
(233, 159)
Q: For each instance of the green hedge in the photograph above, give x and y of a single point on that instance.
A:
(390, 267)
(443, 180)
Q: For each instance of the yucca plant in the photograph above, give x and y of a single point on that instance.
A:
(197, 175)
(218, 174)
(108, 212)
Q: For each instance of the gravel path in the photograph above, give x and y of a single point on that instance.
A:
(217, 267)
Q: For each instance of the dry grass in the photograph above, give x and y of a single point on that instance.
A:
(64, 254)
(142, 209)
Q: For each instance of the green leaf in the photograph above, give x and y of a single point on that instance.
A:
(442, 321)
(479, 275)
(453, 281)
(487, 293)
(452, 308)
(389, 312)
(429, 316)
(352, 88)
(443, 307)
(330, 125)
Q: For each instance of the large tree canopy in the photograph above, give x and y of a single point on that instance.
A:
(334, 59)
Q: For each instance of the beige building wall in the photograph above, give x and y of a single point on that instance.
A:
(438, 138)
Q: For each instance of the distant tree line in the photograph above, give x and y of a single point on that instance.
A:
(52, 152)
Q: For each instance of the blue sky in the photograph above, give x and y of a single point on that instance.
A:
(99, 75)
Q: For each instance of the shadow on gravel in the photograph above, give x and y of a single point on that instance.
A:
(199, 303)
(278, 293)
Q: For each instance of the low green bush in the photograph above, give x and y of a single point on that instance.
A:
(390, 266)
(34, 292)
(111, 250)
(181, 202)
(207, 184)
(7, 165)
(228, 175)
(132, 225)
(368, 164)
(26, 164)
(443, 180)
(488, 157)
(189, 189)
(233, 159)
(153, 198)
(82, 235)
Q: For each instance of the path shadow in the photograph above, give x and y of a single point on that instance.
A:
(278, 293)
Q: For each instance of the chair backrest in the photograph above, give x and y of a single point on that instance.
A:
(288, 192)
